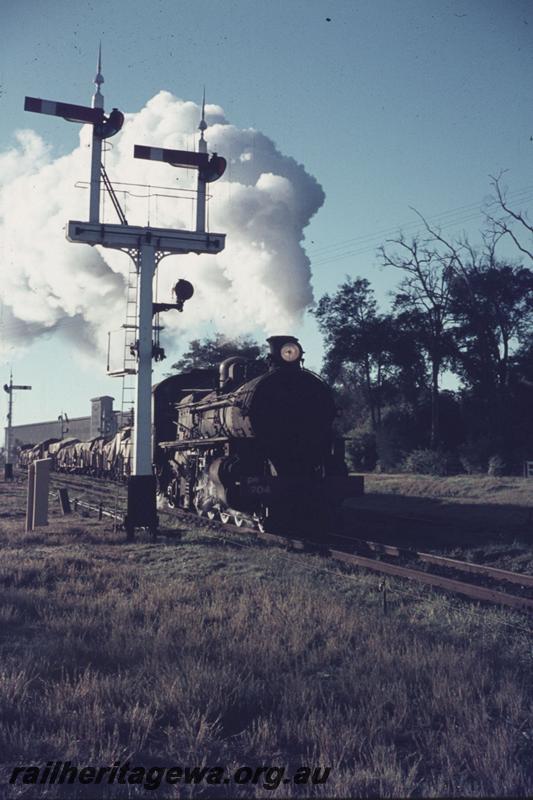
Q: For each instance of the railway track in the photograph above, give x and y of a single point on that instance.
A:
(86, 483)
(443, 562)
(490, 584)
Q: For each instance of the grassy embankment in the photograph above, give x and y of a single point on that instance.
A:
(196, 652)
(476, 517)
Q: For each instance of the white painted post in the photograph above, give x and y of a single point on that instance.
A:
(29, 502)
(96, 146)
(142, 454)
(40, 492)
(200, 203)
(96, 166)
(200, 187)
(38, 485)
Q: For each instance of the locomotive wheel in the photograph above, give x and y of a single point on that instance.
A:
(211, 515)
(239, 520)
(225, 517)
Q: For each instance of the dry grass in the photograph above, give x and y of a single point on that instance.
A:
(471, 488)
(197, 652)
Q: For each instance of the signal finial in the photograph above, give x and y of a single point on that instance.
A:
(203, 124)
(202, 144)
(98, 98)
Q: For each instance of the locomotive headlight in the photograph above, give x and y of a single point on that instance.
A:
(291, 352)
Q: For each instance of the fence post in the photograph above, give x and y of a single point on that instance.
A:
(65, 502)
(382, 587)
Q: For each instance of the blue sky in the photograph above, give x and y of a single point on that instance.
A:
(387, 104)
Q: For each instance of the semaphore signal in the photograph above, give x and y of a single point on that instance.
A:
(69, 112)
(146, 246)
(103, 128)
(209, 168)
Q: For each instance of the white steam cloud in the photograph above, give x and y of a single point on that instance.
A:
(263, 203)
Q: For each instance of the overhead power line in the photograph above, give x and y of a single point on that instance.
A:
(446, 219)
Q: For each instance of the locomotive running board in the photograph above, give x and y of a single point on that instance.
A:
(183, 444)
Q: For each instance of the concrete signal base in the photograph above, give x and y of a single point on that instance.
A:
(141, 511)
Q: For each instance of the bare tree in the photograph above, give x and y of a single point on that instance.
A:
(491, 295)
(503, 220)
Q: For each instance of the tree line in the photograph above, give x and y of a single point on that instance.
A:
(460, 316)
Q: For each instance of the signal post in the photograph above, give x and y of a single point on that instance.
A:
(10, 388)
(146, 246)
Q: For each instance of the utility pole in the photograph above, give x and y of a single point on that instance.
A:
(10, 388)
(146, 246)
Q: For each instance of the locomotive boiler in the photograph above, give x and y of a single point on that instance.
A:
(257, 448)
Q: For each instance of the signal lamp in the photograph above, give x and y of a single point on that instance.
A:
(183, 290)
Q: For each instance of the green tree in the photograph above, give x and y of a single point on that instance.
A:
(489, 315)
(424, 301)
(362, 346)
(209, 352)
(493, 311)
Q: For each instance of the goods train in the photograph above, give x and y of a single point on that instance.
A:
(252, 444)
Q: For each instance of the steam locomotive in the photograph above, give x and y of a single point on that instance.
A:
(250, 444)
(256, 449)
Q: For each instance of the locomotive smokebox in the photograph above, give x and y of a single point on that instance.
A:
(284, 350)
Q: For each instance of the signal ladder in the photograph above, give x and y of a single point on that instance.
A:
(129, 366)
(128, 371)
(130, 327)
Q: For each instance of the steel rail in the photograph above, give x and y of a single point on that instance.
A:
(99, 509)
(458, 587)
(522, 579)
